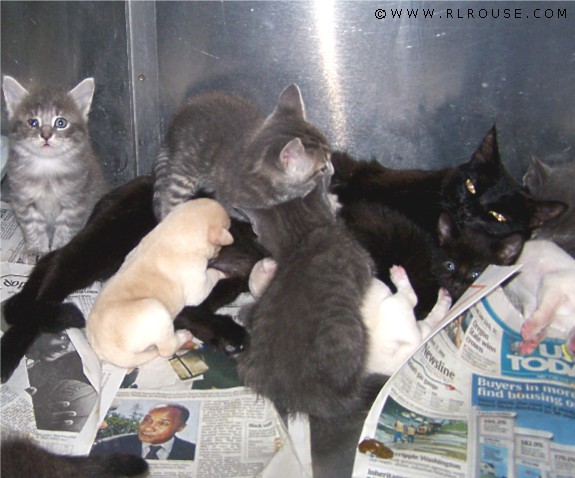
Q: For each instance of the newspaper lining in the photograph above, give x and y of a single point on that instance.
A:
(467, 404)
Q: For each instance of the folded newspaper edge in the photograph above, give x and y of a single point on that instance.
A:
(467, 403)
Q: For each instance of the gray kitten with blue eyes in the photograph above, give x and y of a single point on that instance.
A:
(221, 144)
(54, 176)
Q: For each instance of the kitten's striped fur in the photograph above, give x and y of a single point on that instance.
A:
(220, 144)
(54, 176)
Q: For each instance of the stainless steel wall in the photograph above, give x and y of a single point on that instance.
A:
(412, 92)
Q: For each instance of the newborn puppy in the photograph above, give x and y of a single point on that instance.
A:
(544, 290)
(131, 321)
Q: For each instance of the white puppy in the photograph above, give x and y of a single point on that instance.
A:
(132, 320)
(544, 290)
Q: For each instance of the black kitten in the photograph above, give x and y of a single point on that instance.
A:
(452, 258)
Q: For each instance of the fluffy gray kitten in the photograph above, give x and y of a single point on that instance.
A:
(307, 339)
(555, 183)
(54, 176)
(221, 144)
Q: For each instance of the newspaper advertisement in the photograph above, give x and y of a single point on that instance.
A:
(467, 403)
(64, 398)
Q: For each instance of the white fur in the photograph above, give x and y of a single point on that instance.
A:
(544, 289)
(394, 333)
(132, 320)
(261, 275)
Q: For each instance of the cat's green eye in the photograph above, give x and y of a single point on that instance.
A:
(500, 217)
(470, 186)
(60, 123)
(33, 122)
(474, 275)
(449, 266)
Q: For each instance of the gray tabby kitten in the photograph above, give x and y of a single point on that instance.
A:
(54, 176)
(219, 143)
(554, 183)
(307, 339)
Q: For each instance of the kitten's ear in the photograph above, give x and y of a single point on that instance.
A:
(509, 249)
(82, 95)
(294, 160)
(445, 228)
(290, 100)
(14, 93)
(220, 236)
(544, 211)
(488, 150)
(535, 174)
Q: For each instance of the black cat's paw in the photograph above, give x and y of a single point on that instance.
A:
(220, 331)
(68, 315)
(13, 307)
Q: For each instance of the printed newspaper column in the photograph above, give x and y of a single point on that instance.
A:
(532, 452)
(494, 454)
(562, 461)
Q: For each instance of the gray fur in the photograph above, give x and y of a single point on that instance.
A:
(308, 343)
(555, 183)
(54, 176)
(219, 143)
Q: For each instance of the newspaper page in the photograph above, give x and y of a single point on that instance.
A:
(467, 404)
(63, 397)
(54, 393)
(10, 236)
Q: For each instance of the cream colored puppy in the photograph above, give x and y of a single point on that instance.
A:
(132, 320)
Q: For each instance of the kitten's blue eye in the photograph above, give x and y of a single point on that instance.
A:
(33, 122)
(449, 266)
(60, 123)
(474, 275)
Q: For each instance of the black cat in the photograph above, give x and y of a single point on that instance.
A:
(444, 226)
(479, 194)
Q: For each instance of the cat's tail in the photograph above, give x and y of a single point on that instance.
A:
(27, 324)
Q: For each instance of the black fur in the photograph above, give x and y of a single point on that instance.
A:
(423, 195)
(22, 458)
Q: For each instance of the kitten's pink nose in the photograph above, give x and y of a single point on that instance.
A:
(46, 132)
